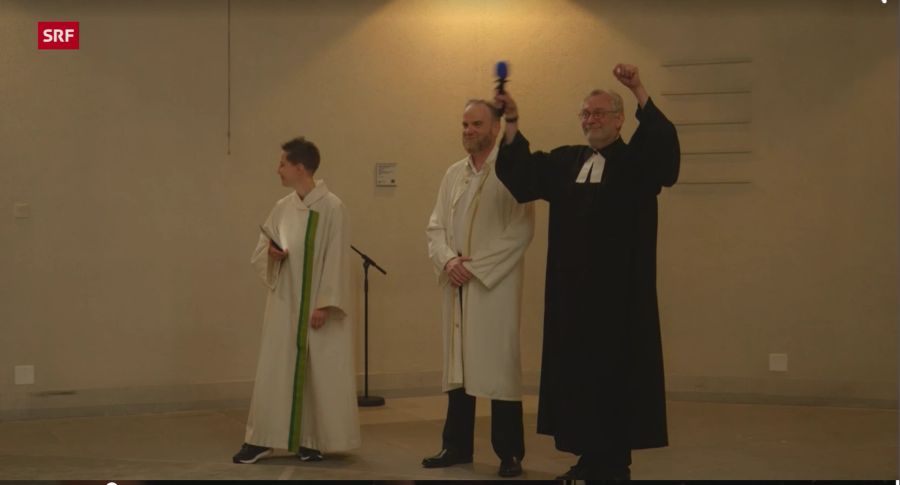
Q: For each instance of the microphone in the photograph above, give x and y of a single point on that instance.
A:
(502, 70)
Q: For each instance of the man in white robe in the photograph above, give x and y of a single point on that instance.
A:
(477, 236)
(304, 395)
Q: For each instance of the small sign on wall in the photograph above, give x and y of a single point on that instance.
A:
(385, 174)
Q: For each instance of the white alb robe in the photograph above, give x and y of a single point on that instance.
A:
(305, 388)
(476, 215)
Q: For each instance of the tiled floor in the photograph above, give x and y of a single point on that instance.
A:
(708, 441)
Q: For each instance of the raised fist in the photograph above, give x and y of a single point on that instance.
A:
(627, 75)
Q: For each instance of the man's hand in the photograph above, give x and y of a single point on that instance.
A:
(628, 75)
(458, 273)
(275, 254)
(318, 318)
(507, 104)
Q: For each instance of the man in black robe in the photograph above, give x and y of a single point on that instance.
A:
(602, 387)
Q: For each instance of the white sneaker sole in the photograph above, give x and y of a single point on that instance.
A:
(257, 457)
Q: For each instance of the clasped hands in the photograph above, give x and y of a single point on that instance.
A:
(458, 273)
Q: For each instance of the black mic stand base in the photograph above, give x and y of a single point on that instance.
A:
(369, 401)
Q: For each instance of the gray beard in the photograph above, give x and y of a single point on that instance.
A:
(475, 146)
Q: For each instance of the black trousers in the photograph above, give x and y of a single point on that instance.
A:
(507, 435)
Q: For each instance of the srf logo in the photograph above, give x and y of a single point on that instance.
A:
(58, 35)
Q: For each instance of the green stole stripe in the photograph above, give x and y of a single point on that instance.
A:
(302, 327)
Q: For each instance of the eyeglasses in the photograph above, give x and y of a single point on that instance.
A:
(597, 113)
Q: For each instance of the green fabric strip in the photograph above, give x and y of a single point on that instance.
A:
(309, 249)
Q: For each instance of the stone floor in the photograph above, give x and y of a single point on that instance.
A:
(707, 441)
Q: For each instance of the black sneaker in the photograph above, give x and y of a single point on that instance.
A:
(309, 454)
(250, 453)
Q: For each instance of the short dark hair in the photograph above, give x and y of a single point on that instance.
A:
(303, 152)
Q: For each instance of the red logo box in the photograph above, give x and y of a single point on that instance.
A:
(58, 35)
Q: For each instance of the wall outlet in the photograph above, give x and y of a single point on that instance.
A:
(778, 362)
(24, 374)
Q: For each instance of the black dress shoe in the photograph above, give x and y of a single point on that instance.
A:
(446, 458)
(510, 467)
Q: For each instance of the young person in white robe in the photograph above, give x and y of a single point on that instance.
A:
(304, 396)
(477, 236)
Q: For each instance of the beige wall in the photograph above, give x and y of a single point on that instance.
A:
(130, 283)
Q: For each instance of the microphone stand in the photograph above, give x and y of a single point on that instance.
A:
(366, 400)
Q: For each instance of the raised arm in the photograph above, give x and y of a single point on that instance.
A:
(528, 176)
(655, 140)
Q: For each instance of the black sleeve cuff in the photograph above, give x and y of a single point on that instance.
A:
(649, 112)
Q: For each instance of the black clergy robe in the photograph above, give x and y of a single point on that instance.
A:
(602, 384)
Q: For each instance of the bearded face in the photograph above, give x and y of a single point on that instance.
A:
(479, 129)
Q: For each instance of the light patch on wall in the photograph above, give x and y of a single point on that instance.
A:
(24, 374)
(464, 23)
(778, 362)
